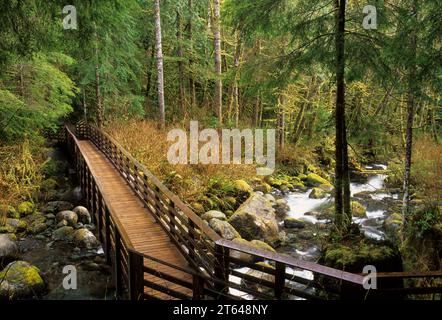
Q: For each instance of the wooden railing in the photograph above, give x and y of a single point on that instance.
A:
(220, 269)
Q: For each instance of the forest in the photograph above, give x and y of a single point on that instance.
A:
(351, 90)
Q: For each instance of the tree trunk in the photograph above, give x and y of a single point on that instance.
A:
(160, 71)
(342, 204)
(233, 101)
(150, 65)
(411, 100)
(218, 62)
(182, 99)
(257, 107)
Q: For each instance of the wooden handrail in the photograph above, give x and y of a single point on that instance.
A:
(124, 237)
(208, 254)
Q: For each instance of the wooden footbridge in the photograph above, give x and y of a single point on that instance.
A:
(160, 249)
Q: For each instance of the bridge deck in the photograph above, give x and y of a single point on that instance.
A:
(143, 231)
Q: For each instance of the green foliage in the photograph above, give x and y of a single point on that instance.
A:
(40, 100)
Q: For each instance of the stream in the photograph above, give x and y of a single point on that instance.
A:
(371, 194)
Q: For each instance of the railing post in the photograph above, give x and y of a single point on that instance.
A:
(99, 220)
(222, 268)
(279, 280)
(107, 241)
(136, 276)
(117, 263)
(198, 288)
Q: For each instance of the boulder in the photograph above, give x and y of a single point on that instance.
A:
(317, 193)
(256, 219)
(83, 214)
(70, 217)
(281, 207)
(25, 208)
(357, 209)
(314, 180)
(255, 244)
(20, 280)
(8, 248)
(213, 214)
(224, 229)
(293, 223)
(264, 187)
(270, 197)
(57, 206)
(85, 239)
(63, 234)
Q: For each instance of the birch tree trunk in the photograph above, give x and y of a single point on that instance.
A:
(160, 68)
(411, 100)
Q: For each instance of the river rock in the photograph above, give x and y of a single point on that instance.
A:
(317, 193)
(63, 234)
(255, 244)
(70, 217)
(37, 228)
(20, 280)
(256, 219)
(264, 187)
(224, 229)
(281, 207)
(358, 210)
(8, 248)
(57, 206)
(83, 214)
(85, 239)
(213, 214)
(270, 197)
(314, 180)
(293, 223)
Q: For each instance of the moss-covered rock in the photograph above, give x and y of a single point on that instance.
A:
(264, 187)
(256, 244)
(83, 238)
(63, 234)
(69, 216)
(317, 193)
(26, 208)
(256, 219)
(358, 210)
(213, 214)
(357, 256)
(293, 223)
(224, 229)
(314, 180)
(20, 280)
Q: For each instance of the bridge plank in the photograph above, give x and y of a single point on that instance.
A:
(143, 231)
